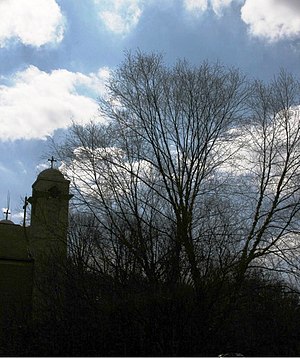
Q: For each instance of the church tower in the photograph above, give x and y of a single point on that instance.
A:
(48, 240)
(49, 213)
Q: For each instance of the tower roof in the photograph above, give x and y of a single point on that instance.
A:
(6, 221)
(51, 174)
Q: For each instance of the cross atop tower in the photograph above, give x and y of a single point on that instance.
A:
(6, 212)
(52, 160)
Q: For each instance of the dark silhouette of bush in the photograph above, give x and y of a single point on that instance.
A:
(160, 321)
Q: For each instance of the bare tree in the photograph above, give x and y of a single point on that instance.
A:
(194, 176)
(178, 118)
(169, 131)
(270, 172)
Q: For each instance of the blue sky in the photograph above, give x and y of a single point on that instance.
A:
(55, 56)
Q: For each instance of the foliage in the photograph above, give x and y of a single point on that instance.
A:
(142, 320)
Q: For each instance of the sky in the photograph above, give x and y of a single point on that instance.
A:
(55, 56)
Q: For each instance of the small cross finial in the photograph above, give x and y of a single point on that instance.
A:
(6, 213)
(52, 160)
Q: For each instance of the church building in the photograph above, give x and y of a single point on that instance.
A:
(25, 250)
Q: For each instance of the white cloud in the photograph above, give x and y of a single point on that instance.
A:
(41, 166)
(112, 175)
(269, 19)
(272, 19)
(199, 6)
(196, 5)
(32, 22)
(219, 5)
(119, 16)
(36, 103)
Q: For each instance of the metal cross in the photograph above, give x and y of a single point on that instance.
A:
(6, 212)
(52, 160)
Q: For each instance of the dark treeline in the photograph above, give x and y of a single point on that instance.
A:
(184, 233)
(105, 316)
